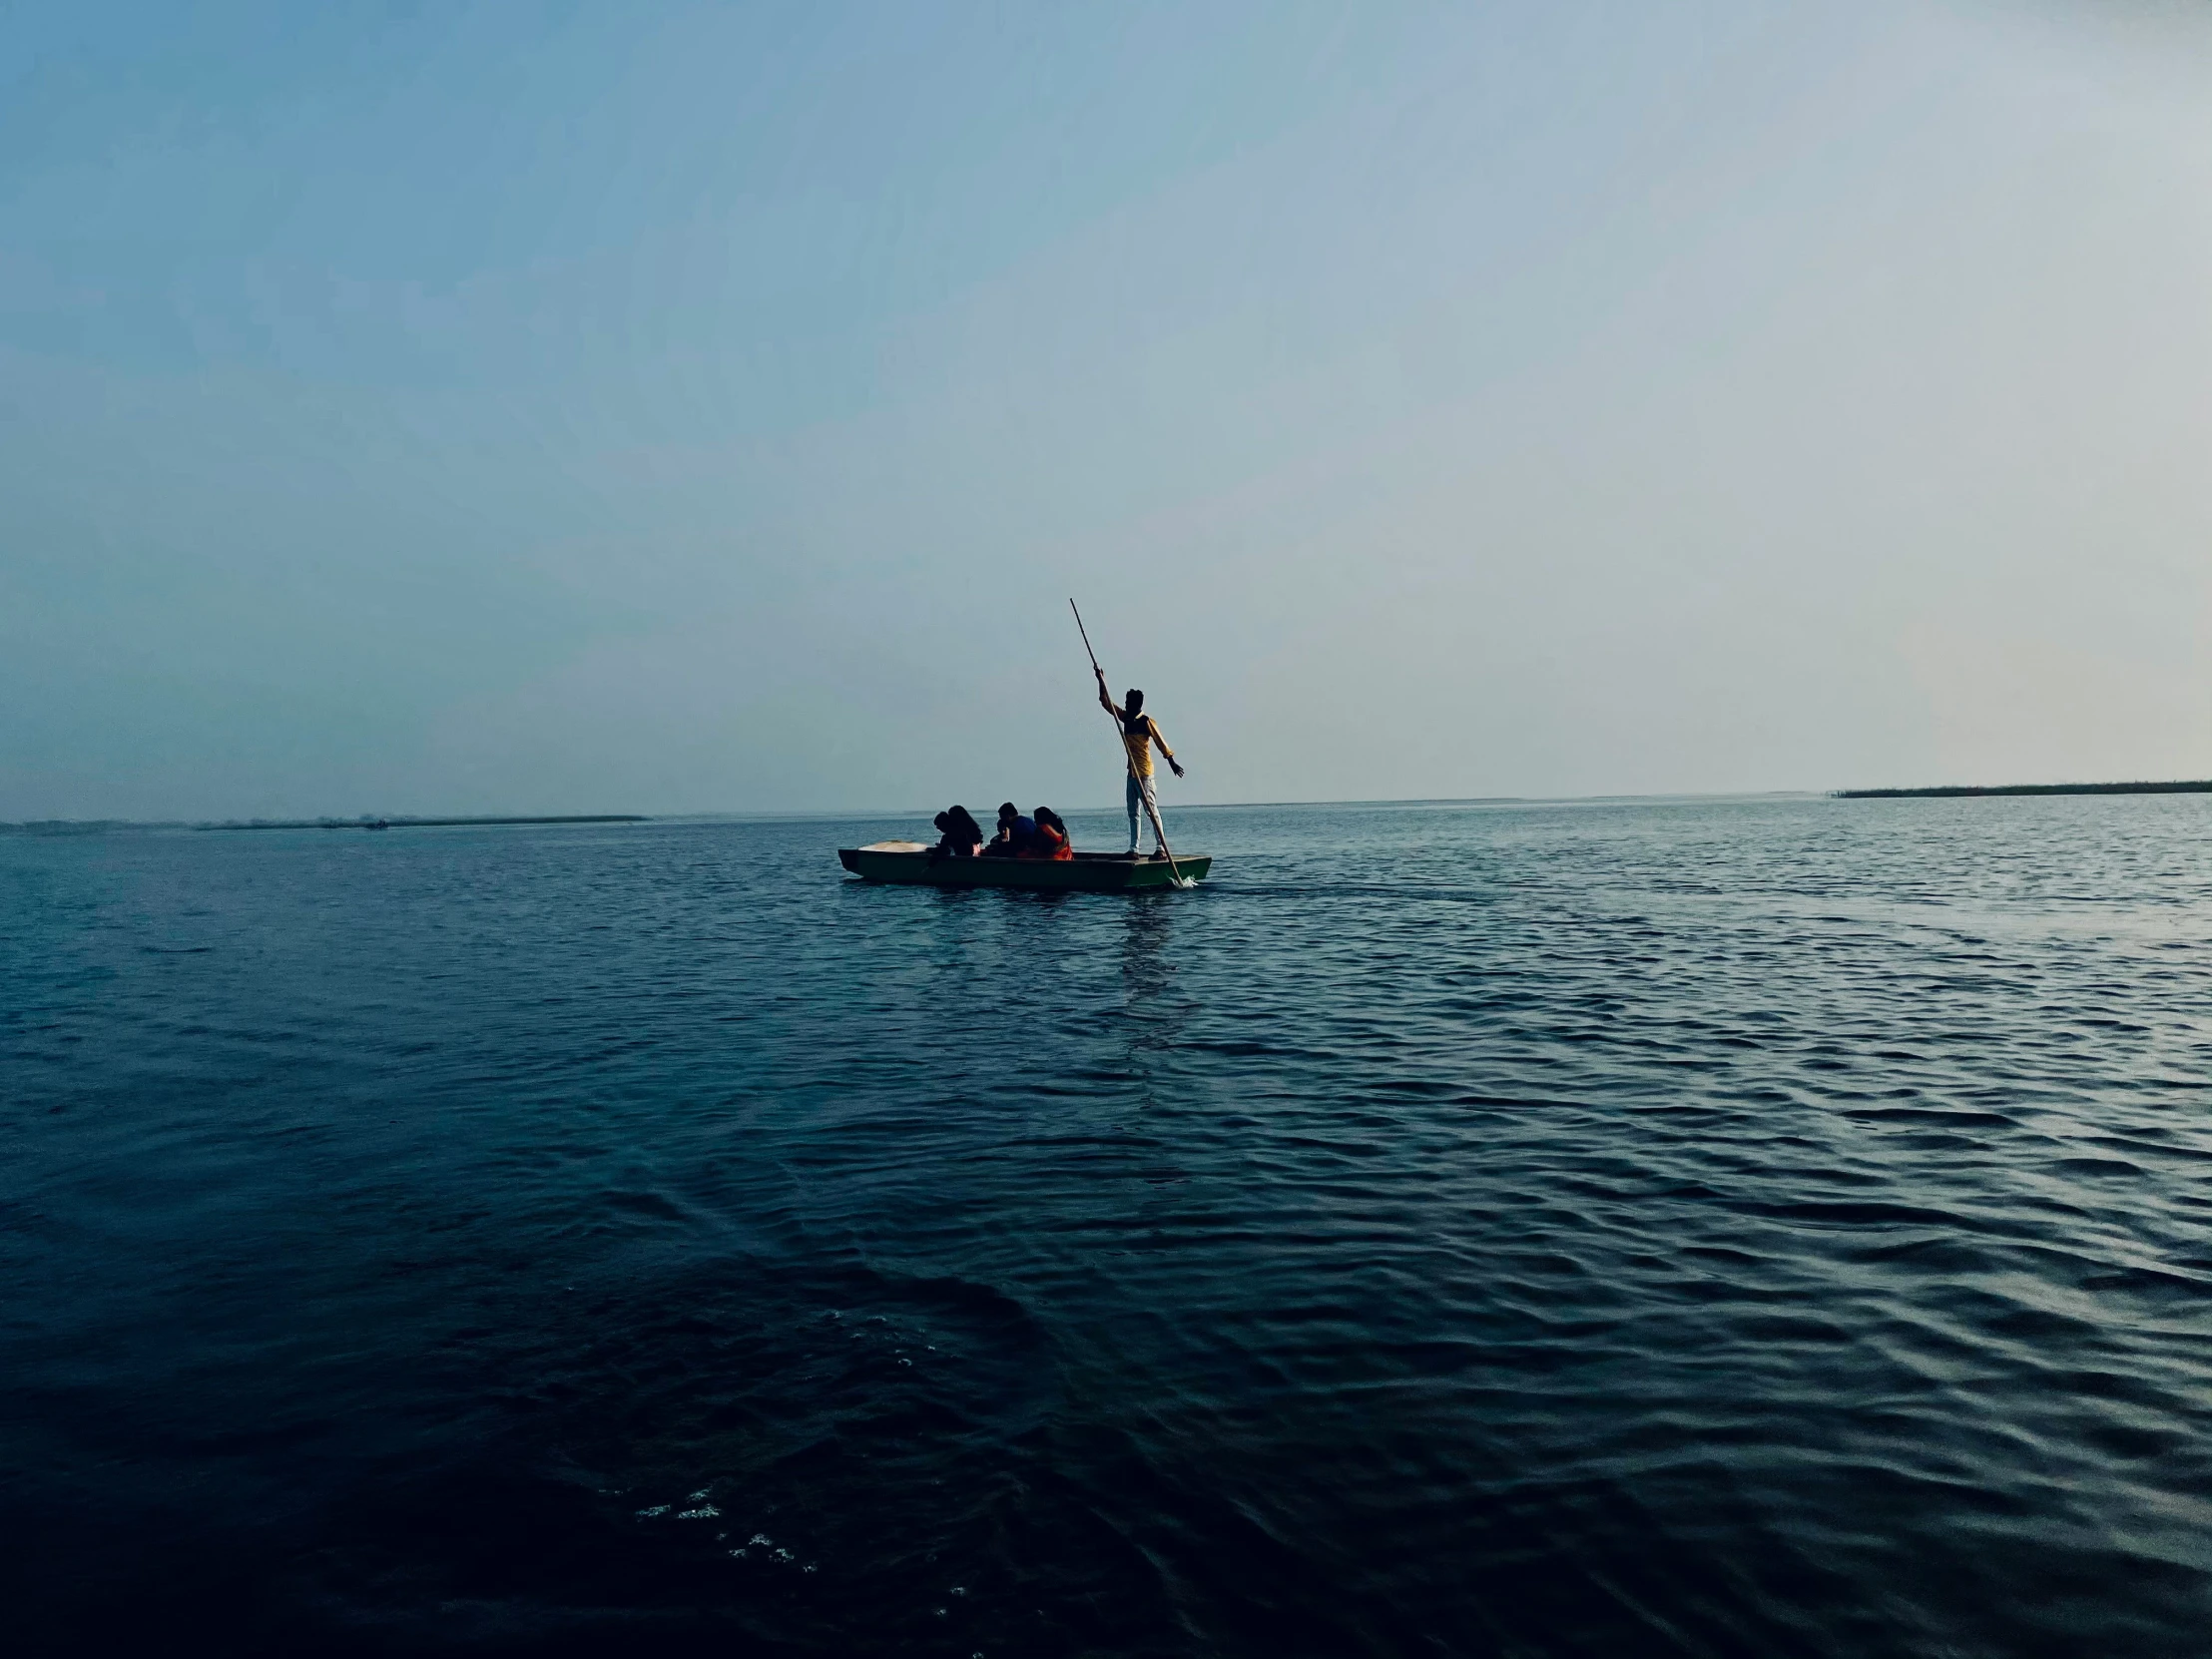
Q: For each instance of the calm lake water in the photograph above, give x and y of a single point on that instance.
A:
(1718, 1228)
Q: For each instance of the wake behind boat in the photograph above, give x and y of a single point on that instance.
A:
(911, 863)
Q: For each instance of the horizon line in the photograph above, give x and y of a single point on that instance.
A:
(826, 814)
(425, 821)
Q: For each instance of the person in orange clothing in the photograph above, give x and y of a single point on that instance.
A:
(1052, 837)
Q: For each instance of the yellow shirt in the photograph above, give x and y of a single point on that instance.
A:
(1139, 744)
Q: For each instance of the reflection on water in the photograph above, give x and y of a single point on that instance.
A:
(1718, 1228)
(1147, 926)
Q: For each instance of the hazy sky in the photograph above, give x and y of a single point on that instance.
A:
(566, 407)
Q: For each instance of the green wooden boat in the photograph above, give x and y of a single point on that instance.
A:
(1085, 873)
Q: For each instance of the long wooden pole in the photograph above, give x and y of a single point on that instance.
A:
(1151, 808)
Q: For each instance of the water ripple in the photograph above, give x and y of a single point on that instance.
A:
(1728, 1228)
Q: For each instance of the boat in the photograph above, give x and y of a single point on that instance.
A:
(909, 863)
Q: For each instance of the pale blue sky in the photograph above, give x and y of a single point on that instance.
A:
(416, 408)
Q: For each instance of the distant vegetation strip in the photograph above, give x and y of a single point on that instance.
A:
(418, 823)
(2198, 785)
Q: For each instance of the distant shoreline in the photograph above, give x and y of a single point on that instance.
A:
(2198, 785)
(420, 823)
(96, 826)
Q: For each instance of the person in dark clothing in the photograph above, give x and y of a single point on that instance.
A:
(959, 836)
(1015, 834)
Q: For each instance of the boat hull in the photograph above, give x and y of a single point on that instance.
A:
(1085, 873)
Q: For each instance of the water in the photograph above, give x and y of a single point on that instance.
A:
(1714, 1228)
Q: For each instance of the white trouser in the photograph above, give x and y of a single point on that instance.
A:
(1138, 796)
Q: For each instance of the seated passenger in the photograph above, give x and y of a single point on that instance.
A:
(959, 836)
(1052, 837)
(1015, 832)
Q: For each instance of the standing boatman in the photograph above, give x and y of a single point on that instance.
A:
(1139, 732)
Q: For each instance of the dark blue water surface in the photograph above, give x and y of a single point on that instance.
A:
(1738, 1227)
